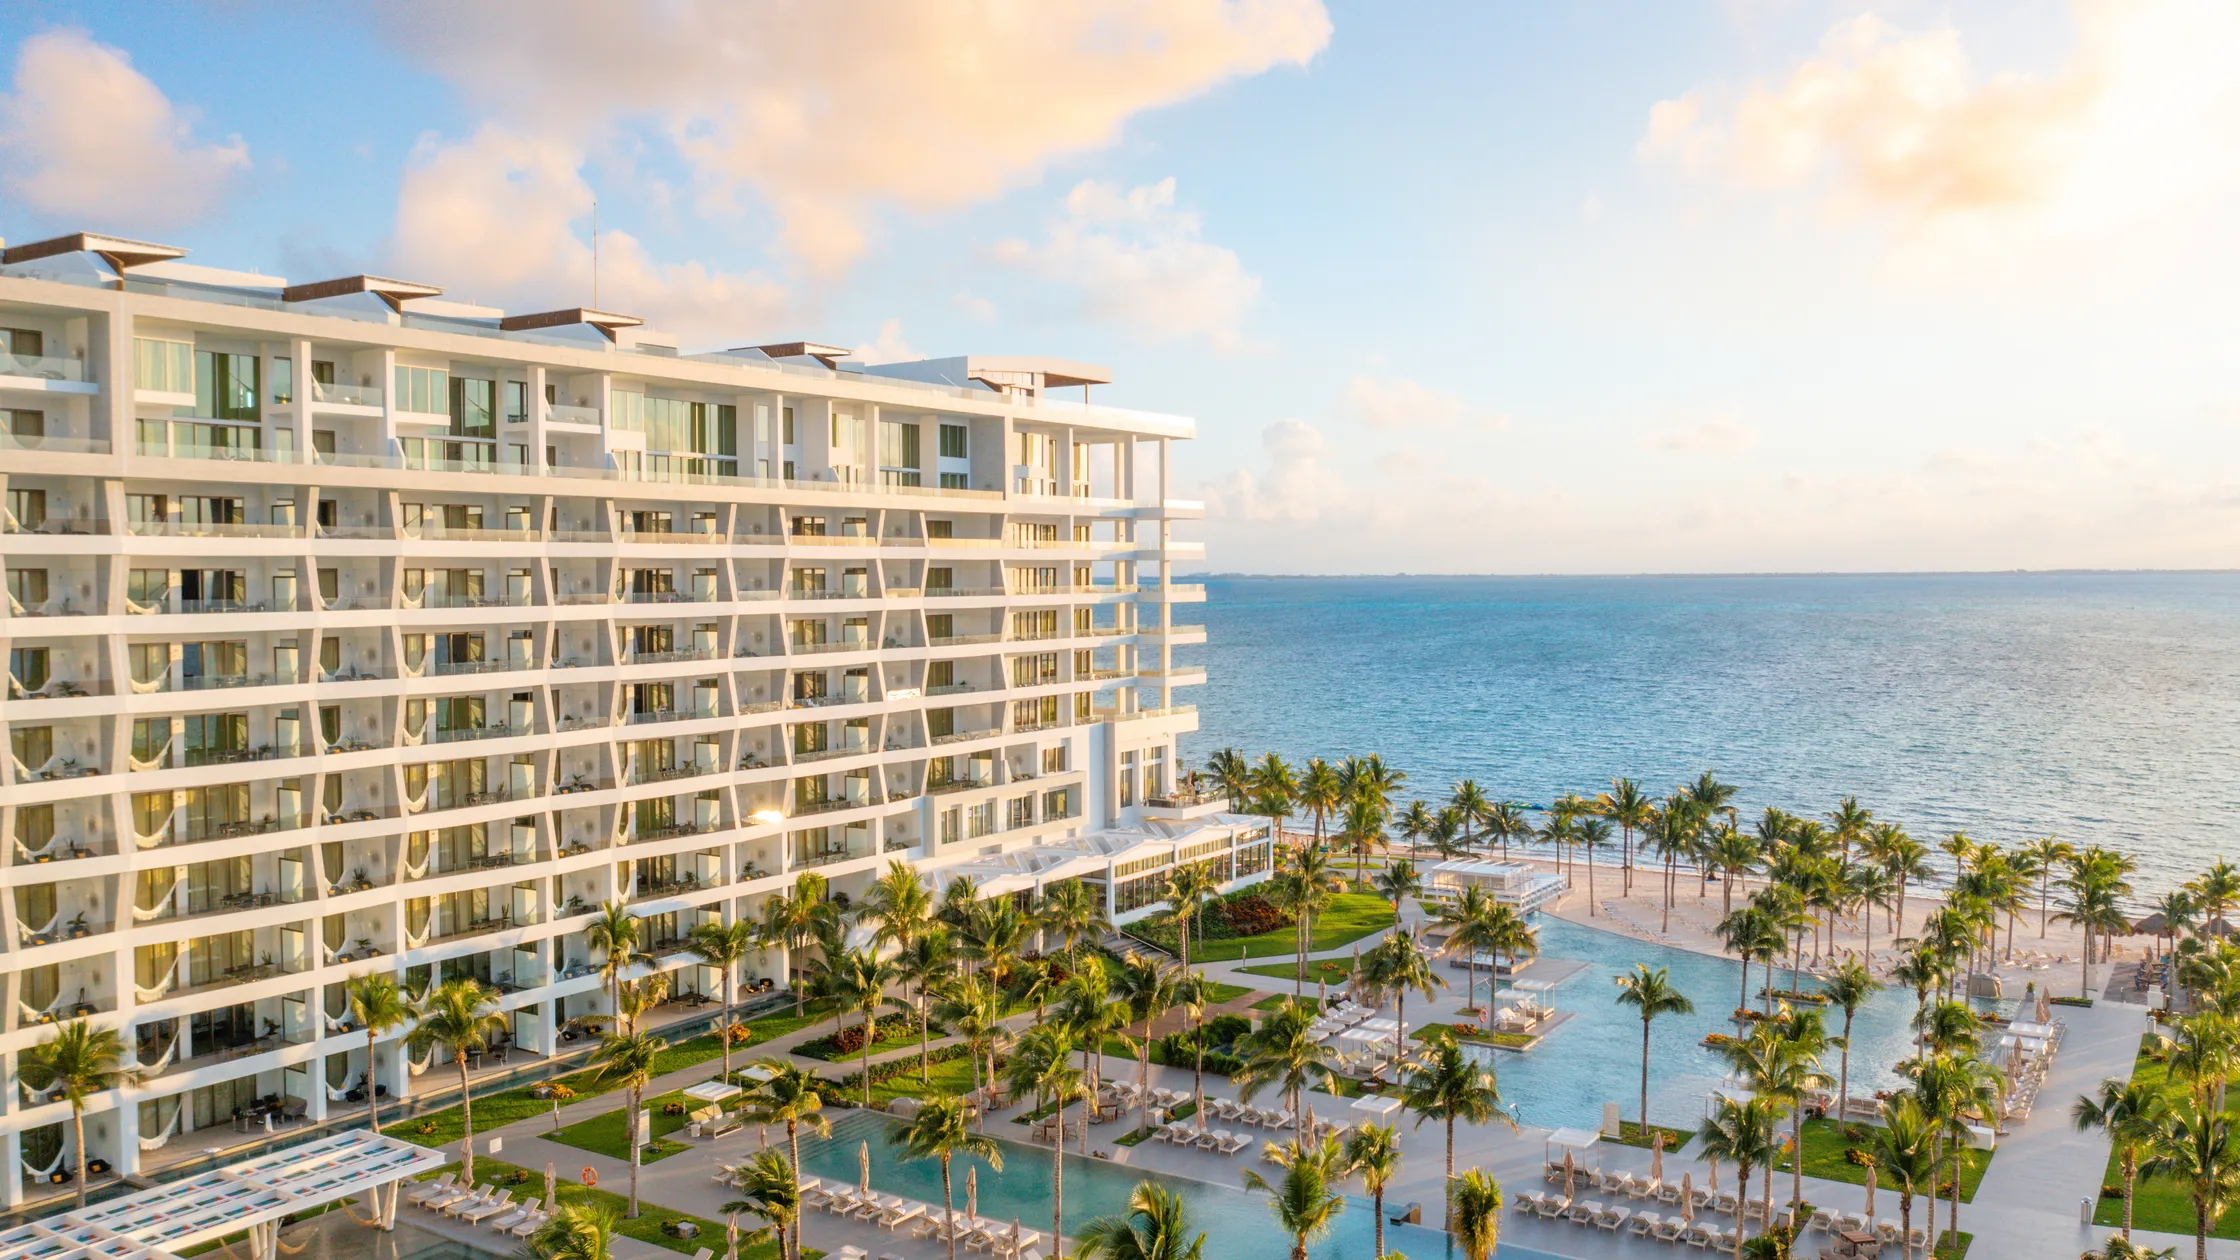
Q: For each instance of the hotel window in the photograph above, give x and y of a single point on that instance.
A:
(1035, 625)
(953, 441)
(941, 529)
(225, 386)
(1127, 779)
(980, 820)
(33, 746)
(1035, 670)
(517, 402)
(1034, 715)
(787, 423)
(941, 579)
(163, 366)
(424, 391)
(26, 424)
(626, 410)
(283, 381)
(1054, 759)
(941, 674)
(28, 587)
(951, 820)
(1018, 812)
(1057, 804)
(955, 481)
(940, 722)
(29, 507)
(940, 626)
(473, 407)
(898, 453)
(23, 343)
(27, 668)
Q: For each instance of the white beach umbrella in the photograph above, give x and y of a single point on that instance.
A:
(1687, 1196)
(1570, 1175)
(972, 1192)
(1656, 1159)
(863, 1168)
(1870, 1189)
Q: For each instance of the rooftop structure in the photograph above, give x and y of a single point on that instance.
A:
(352, 629)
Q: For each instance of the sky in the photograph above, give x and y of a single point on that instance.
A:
(1598, 287)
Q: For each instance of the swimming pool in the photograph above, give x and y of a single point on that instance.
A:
(1238, 1225)
(1595, 1056)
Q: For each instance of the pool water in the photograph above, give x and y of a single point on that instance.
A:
(1238, 1225)
(1595, 1056)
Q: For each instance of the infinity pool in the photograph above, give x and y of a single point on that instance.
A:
(1238, 1225)
(1595, 1056)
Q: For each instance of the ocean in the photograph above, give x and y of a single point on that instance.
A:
(2100, 707)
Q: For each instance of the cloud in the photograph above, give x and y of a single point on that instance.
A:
(825, 112)
(1132, 259)
(973, 306)
(1296, 486)
(1395, 404)
(887, 347)
(494, 219)
(1718, 435)
(1902, 123)
(86, 137)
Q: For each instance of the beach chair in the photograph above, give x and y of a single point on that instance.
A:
(1612, 1220)
(457, 1194)
(1643, 1188)
(1670, 1229)
(530, 1226)
(901, 1214)
(419, 1191)
(1643, 1224)
(1700, 1234)
(507, 1220)
(1584, 1213)
(1526, 1203)
(1821, 1218)
(1551, 1207)
(1669, 1193)
(1234, 1143)
(486, 1209)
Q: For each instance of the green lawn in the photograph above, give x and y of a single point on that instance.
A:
(495, 1111)
(1948, 1249)
(2158, 1203)
(1824, 1148)
(1350, 917)
(949, 1079)
(1630, 1133)
(608, 1133)
(1275, 1000)
(1330, 969)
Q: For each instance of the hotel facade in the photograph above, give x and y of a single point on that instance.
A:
(353, 630)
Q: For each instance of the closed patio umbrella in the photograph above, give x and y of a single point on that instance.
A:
(1014, 1235)
(1870, 1189)
(1570, 1176)
(1714, 1175)
(971, 1193)
(863, 1167)
(731, 1238)
(1656, 1159)
(551, 1185)
(1688, 1197)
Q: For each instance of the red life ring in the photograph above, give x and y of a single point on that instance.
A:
(590, 1176)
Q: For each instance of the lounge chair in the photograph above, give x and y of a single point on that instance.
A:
(457, 1195)
(483, 1211)
(904, 1213)
(1643, 1188)
(1552, 1207)
(1669, 1192)
(1643, 1224)
(1525, 1203)
(507, 1220)
(1584, 1213)
(1822, 1218)
(422, 1190)
(1670, 1229)
(1234, 1142)
(1613, 1219)
(529, 1226)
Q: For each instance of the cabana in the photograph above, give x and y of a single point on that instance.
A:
(1580, 1144)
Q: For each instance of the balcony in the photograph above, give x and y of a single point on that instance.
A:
(77, 929)
(668, 774)
(958, 737)
(828, 754)
(669, 832)
(574, 417)
(233, 756)
(60, 689)
(201, 529)
(465, 734)
(227, 682)
(42, 367)
(225, 606)
(346, 395)
(667, 887)
(450, 669)
(671, 657)
(652, 716)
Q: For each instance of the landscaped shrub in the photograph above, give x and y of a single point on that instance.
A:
(891, 1030)
(893, 1068)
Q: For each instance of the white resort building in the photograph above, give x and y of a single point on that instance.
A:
(354, 630)
(1512, 884)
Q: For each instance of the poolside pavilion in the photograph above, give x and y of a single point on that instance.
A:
(159, 1223)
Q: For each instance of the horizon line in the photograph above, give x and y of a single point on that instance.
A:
(1714, 573)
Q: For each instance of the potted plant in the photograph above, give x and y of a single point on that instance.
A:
(78, 927)
(366, 949)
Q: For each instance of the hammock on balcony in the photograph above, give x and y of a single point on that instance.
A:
(161, 832)
(426, 930)
(27, 932)
(48, 1171)
(425, 1062)
(163, 754)
(162, 1060)
(156, 1143)
(163, 986)
(34, 1016)
(53, 843)
(150, 687)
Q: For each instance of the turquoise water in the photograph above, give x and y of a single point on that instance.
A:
(1595, 1056)
(1237, 1224)
(2095, 706)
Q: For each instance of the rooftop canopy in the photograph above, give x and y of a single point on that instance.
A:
(119, 252)
(394, 292)
(157, 1224)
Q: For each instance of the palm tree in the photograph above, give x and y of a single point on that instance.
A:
(1039, 1067)
(1907, 860)
(1148, 988)
(1470, 931)
(627, 1059)
(1306, 1202)
(1743, 1134)
(1907, 1151)
(2131, 1115)
(1394, 966)
(1652, 994)
(577, 1231)
(1282, 1051)
(927, 958)
(1157, 1227)
(378, 1006)
(1194, 993)
(1415, 822)
(1513, 936)
(1397, 882)
(461, 1016)
(1363, 830)
(724, 946)
(1320, 793)
(1309, 882)
(899, 903)
(973, 1009)
(1626, 805)
(790, 1096)
(2120, 1248)
(938, 1131)
(2045, 855)
(1234, 775)
(857, 981)
(615, 935)
(1074, 913)
(1507, 821)
(796, 918)
(1275, 789)
(1373, 1150)
(768, 1189)
(1470, 806)
(1735, 853)
(1189, 888)
(2195, 1149)
(79, 1061)
(1448, 1086)
(1592, 833)
(1847, 990)
(1476, 1213)
(2215, 890)
(1750, 934)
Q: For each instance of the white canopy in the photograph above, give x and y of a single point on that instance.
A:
(1574, 1139)
(711, 1091)
(1377, 1104)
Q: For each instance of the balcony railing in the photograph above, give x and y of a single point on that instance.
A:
(463, 734)
(226, 682)
(346, 395)
(958, 737)
(45, 367)
(225, 606)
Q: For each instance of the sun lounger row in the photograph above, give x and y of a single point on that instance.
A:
(1183, 1133)
(482, 1205)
